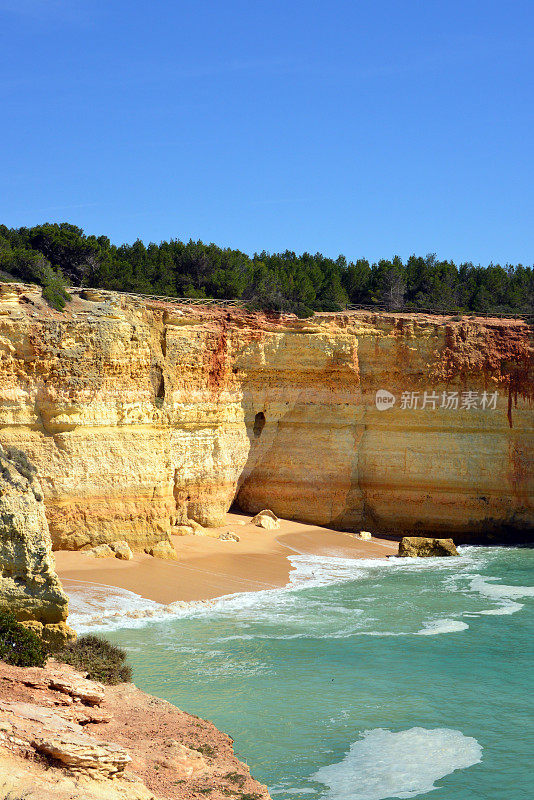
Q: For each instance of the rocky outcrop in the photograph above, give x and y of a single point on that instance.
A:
(266, 519)
(142, 417)
(423, 547)
(82, 755)
(63, 737)
(29, 586)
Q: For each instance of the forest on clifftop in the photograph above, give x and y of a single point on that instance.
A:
(58, 255)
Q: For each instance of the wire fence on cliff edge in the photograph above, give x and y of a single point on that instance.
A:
(215, 301)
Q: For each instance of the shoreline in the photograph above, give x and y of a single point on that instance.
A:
(208, 567)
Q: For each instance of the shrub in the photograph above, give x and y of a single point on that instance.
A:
(236, 777)
(99, 658)
(18, 645)
(54, 289)
(206, 750)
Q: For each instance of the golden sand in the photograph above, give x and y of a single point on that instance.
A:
(208, 567)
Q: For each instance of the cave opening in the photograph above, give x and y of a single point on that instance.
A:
(158, 382)
(259, 424)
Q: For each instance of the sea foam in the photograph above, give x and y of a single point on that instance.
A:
(437, 626)
(383, 764)
(504, 595)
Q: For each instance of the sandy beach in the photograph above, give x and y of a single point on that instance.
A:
(209, 567)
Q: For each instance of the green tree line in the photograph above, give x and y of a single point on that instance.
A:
(57, 255)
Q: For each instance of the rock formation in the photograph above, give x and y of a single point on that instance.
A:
(63, 737)
(122, 550)
(423, 547)
(29, 586)
(266, 519)
(142, 417)
(101, 551)
(163, 549)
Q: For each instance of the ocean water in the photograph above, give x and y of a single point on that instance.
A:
(360, 680)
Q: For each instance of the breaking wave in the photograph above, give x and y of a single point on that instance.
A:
(301, 610)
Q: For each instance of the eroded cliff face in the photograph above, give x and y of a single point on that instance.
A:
(140, 414)
(29, 586)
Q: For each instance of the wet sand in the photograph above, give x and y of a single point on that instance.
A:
(208, 567)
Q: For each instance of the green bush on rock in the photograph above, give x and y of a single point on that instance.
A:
(18, 645)
(99, 658)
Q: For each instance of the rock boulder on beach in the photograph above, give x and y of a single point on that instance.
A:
(266, 519)
(423, 547)
(163, 549)
(101, 551)
(122, 550)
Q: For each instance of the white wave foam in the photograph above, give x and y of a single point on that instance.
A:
(94, 606)
(286, 787)
(502, 594)
(312, 570)
(437, 626)
(430, 628)
(384, 764)
(98, 606)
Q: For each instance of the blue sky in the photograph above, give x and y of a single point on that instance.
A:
(363, 128)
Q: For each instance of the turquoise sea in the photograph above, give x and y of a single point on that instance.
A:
(359, 681)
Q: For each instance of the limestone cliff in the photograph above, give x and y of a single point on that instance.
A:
(29, 586)
(141, 414)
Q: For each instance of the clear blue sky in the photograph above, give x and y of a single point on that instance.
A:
(363, 128)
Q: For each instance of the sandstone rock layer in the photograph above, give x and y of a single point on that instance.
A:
(29, 586)
(141, 417)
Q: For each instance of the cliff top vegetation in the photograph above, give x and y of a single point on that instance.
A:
(56, 255)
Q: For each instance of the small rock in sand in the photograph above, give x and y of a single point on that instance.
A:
(162, 549)
(122, 550)
(365, 535)
(101, 551)
(189, 528)
(229, 536)
(266, 519)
